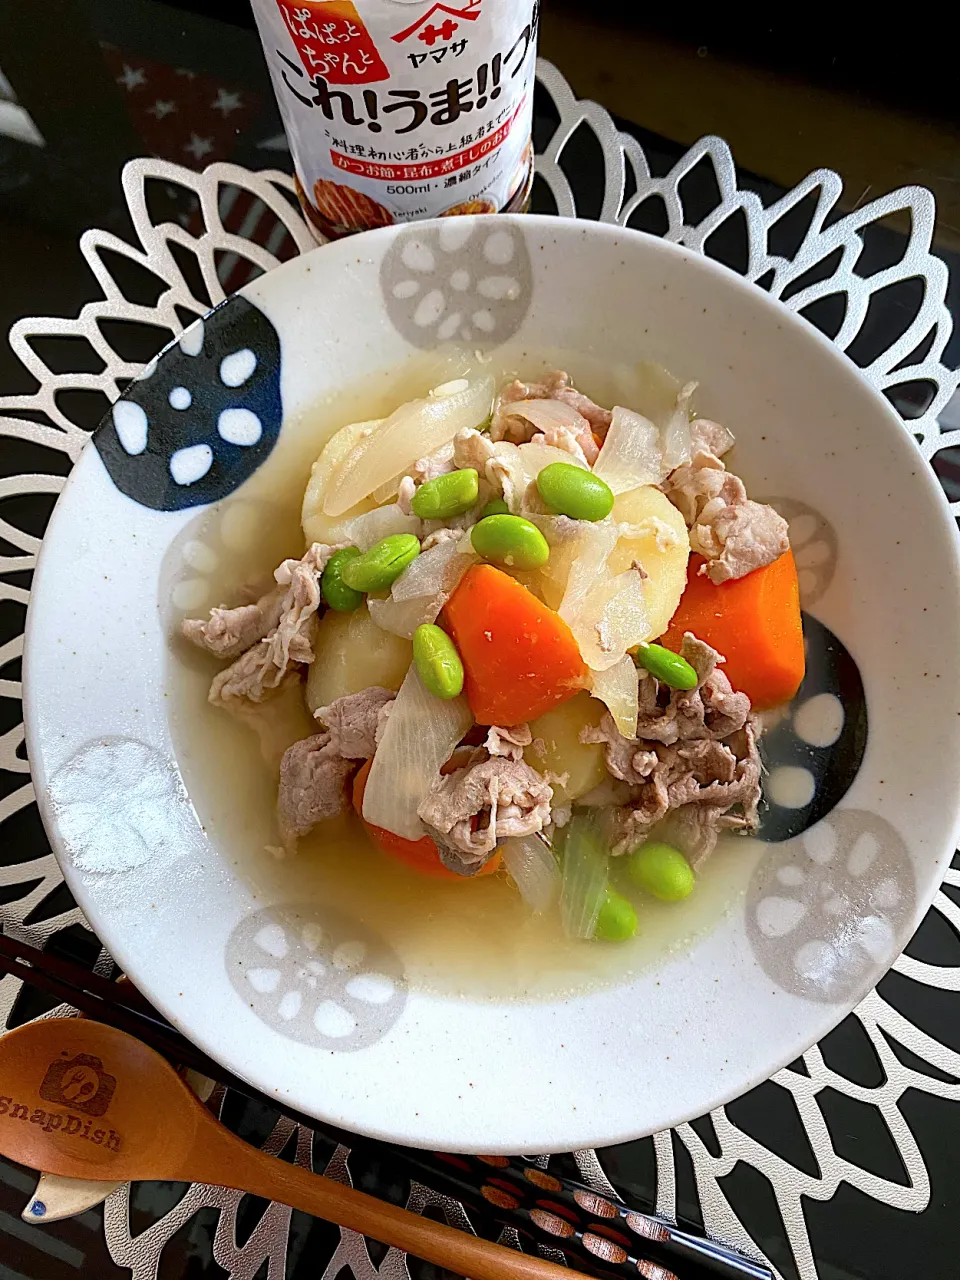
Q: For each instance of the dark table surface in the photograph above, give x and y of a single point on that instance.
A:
(87, 76)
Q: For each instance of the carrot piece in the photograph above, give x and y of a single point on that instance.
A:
(519, 657)
(419, 855)
(754, 622)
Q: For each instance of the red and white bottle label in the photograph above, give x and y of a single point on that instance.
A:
(403, 109)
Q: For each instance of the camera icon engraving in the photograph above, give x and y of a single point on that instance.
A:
(79, 1082)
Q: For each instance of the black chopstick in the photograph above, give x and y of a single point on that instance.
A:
(494, 1188)
(90, 994)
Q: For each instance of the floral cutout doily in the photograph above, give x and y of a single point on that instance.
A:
(822, 263)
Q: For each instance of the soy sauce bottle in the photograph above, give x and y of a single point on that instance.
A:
(397, 110)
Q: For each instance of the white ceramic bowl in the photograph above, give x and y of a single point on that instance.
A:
(825, 913)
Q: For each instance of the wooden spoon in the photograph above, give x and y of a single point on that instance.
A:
(84, 1100)
(56, 1197)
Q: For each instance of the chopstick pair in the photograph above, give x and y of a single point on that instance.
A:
(594, 1233)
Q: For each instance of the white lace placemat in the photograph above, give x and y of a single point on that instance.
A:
(197, 255)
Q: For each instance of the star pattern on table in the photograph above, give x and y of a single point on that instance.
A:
(132, 77)
(180, 113)
(225, 102)
(198, 147)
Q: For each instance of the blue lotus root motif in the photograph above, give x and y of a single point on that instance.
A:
(202, 417)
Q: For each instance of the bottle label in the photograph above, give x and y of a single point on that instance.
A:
(403, 109)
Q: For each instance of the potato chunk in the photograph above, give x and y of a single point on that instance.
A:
(353, 653)
(562, 751)
(662, 548)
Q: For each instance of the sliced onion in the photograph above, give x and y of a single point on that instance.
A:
(418, 597)
(631, 454)
(534, 457)
(652, 390)
(584, 880)
(531, 863)
(384, 492)
(617, 688)
(402, 617)
(367, 530)
(512, 468)
(451, 388)
(559, 531)
(612, 619)
(545, 413)
(443, 454)
(420, 736)
(506, 472)
(677, 440)
(412, 431)
(589, 556)
(564, 538)
(434, 571)
(318, 527)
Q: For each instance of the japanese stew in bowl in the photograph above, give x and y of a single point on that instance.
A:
(506, 692)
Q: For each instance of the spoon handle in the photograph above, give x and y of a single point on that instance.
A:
(224, 1160)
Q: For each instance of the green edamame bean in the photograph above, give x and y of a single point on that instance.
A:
(495, 507)
(662, 870)
(572, 491)
(667, 666)
(438, 662)
(334, 590)
(511, 541)
(377, 568)
(446, 496)
(617, 920)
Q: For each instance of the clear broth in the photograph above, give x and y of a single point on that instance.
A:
(473, 938)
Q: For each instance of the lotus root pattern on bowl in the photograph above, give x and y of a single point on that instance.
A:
(202, 416)
(316, 976)
(467, 280)
(825, 909)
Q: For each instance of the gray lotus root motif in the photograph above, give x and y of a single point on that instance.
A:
(468, 280)
(316, 976)
(828, 911)
(813, 541)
